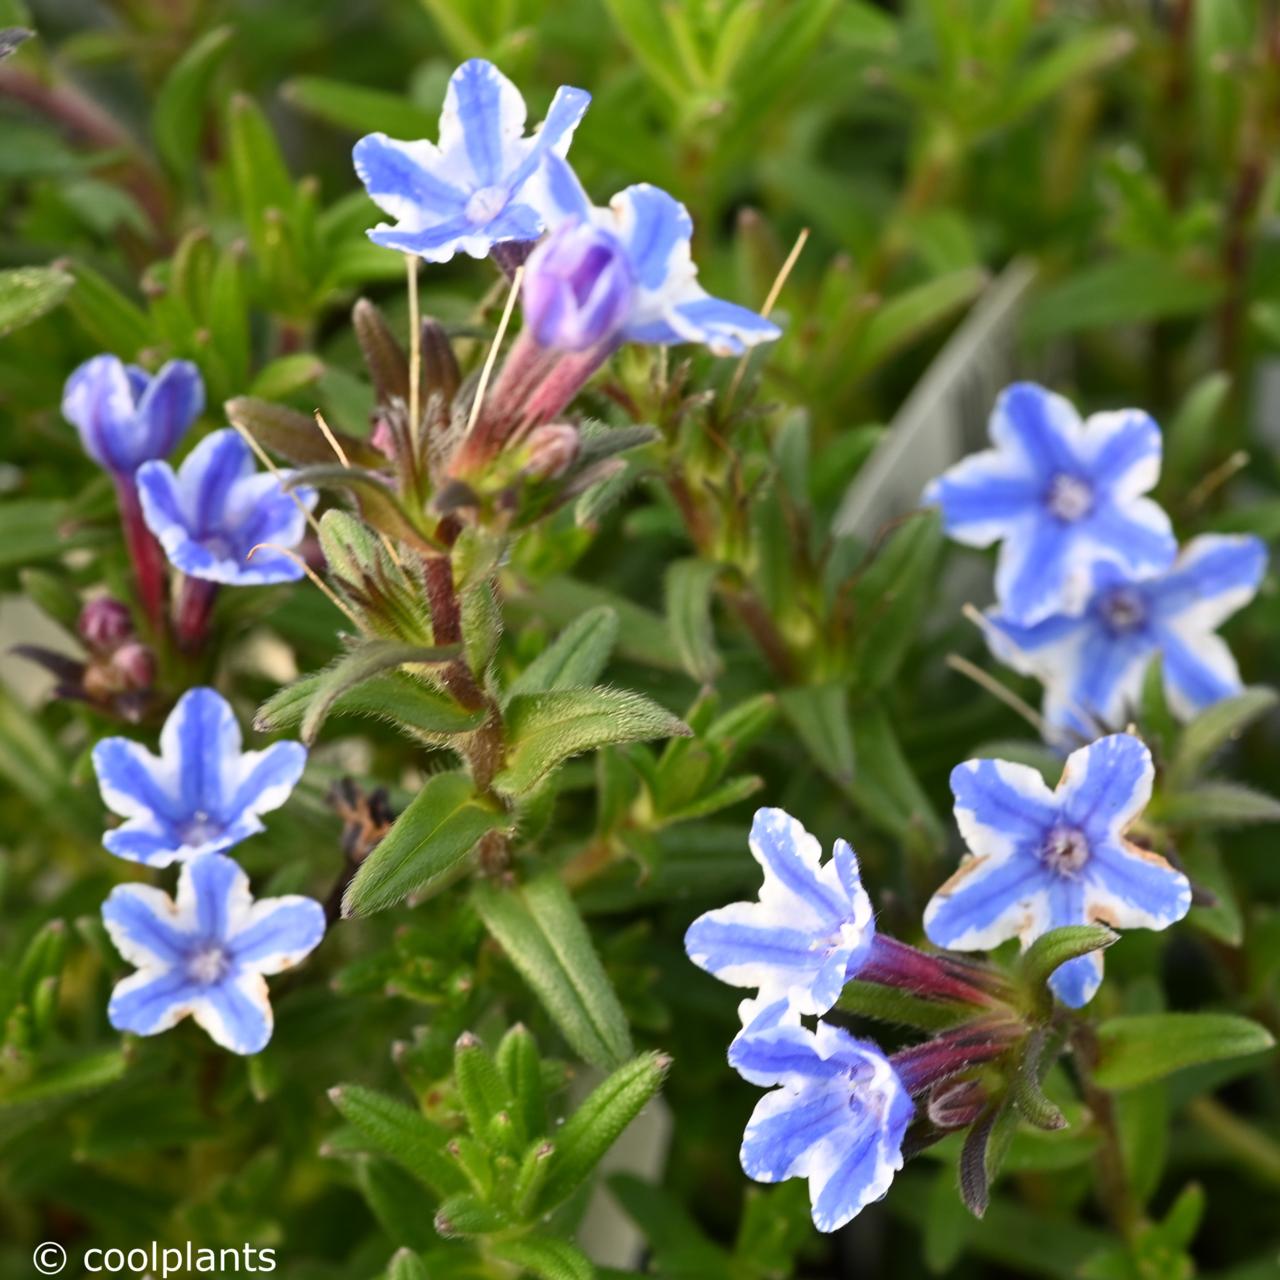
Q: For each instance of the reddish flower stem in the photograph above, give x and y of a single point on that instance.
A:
(150, 567)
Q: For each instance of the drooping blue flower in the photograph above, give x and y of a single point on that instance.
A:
(483, 184)
(125, 416)
(810, 929)
(201, 794)
(217, 507)
(1061, 495)
(837, 1119)
(1041, 859)
(205, 954)
(631, 278)
(1093, 665)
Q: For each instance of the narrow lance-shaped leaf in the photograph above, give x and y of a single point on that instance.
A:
(426, 846)
(575, 658)
(1137, 1048)
(294, 435)
(26, 293)
(689, 585)
(539, 928)
(1214, 727)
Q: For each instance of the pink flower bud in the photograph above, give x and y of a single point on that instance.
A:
(134, 665)
(551, 450)
(104, 624)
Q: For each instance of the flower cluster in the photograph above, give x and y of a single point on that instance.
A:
(206, 952)
(1090, 583)
(841, 1107)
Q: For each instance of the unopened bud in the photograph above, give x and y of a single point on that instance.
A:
(956, 1106)
(134, 665)
(577, 288)
(104, 624)
(551, 450)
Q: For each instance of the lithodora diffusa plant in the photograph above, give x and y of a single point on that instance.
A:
(418, 771)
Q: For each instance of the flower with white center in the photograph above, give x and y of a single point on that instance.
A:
(1041, 859)
(201, 794)
(626, 274)
(1092, 665)
(837, 1118)
(126, 416)
(217, 507)
(205, 955)
(482, 184)
(1061, 496)
(808, 932)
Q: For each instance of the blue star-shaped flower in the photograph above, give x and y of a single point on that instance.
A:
(205, 954)
(217, 507)
(201, 794)
(837, 1119)
(482, 185)
(626, 274)
(1042, 859)
(1061, 496)
(809, 931)
(1092, 666)
(125, 416)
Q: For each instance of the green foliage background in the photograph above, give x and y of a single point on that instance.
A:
(175, 181)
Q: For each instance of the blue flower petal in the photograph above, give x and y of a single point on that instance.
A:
(402, 177)
(277, 933)
(144, 925)
(987, 902)
(151, 1001)
(1139, 537)
(1009, 799)
(437, 243)
(985, 497)
(485, 111)
(1041, 426)
(1126, 448)
(169, 404)
(1039, 573)
(1215, 575)
(785, 1127)
(1106, 785)
(1198, 674)
(214, 892)
(236, 1013)
(134, 783)
(98, 402)
(856, 1173)
(790, 857)
(201, 733)
(725, 327)
(655, 228)
(1076, 982)
(1132, 888)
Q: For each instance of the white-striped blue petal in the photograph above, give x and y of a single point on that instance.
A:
(211, 513)
(483, 184)
(205, 953)
(202, 794)
(1062, 496)
(810, 929)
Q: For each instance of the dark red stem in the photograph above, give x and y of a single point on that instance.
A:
(150, 568)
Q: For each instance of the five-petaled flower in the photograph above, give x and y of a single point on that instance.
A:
(810, 930)
(205, 954)
(201, 794)
(126, 416)
(1061, 495)
(837, 1118)
(210, 514)
(1042, 859)
(1092, 665)
(483, 184)
(626, 274)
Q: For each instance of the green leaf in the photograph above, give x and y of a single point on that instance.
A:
(1218, 804)
(1129, 290)
(575, 658)
(888, 599)
(911, 314)
(396, 1201)
(888, 1004)
(539, 928)
(183, 99)
(1135, 1049)
(598, 1123)
(820, 715)
(884, 783)
(425, 847)
(1053, 949)
(545, 729)
(545, 1257)
(378, 504)
(481, 1089)
(360, 109)
(286, 375)
(27, 293)
(366, 659)
(407, 1265)
(1214, 727)
(468, 1215)
(112, 320)
(401, 1133)
(521, 1069)
(689, 588)
(294, 435)
(398, 698)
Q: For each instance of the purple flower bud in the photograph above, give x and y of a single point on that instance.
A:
(135, 665)
(577, 288)
(104, 624)
(551, 450)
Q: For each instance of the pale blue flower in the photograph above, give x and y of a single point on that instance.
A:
(217, 507)
(837, 1119)
(1061, 496)
(201, 794)
(1093, 665)
(810, 929)
(125, 416)
(631, 278)
(205, 954)
(1041, 859)
(482, 185)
